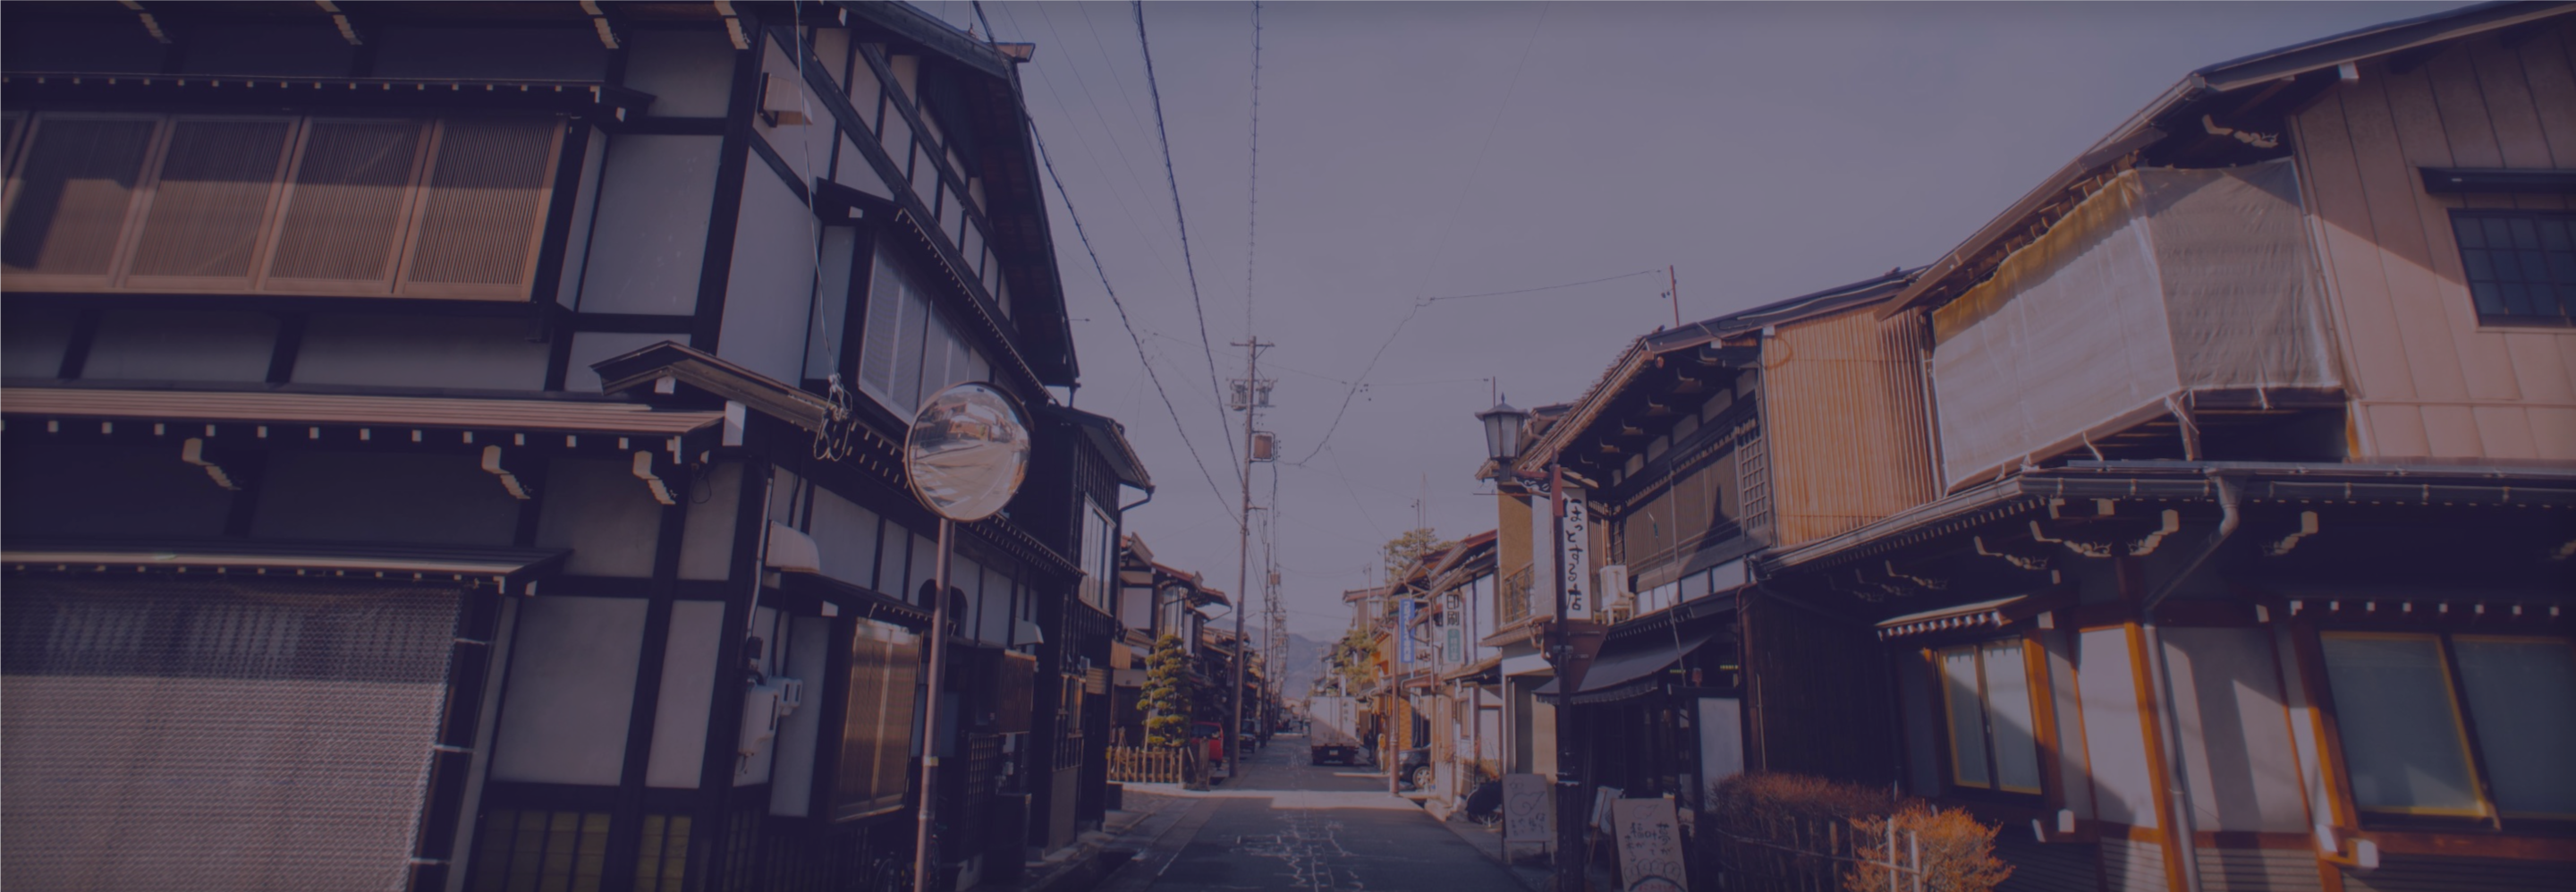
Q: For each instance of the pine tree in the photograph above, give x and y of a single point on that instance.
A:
(1168, 694)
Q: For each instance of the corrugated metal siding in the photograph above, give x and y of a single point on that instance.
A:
(2259, 870)
(2054, 867)
(2411, 874)
(1845, 423)
(2428, 379)
(2133, 866)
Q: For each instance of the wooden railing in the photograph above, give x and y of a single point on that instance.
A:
(1515, 598)
(1156, 765)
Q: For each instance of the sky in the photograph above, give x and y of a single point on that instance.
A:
(1410, 151)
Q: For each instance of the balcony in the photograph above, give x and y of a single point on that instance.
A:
(2166, 288)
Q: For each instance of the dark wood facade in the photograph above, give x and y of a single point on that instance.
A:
(578, 347)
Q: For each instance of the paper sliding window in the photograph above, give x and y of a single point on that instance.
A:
(2466, 725)
(1986, 696)
(441, 208)
(910, 350)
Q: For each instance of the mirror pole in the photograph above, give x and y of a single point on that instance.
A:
(922, 844)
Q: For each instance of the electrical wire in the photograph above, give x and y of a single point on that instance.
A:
(1252, 189)
(1172, 177)
(1642, 272)
(1047, 161)
(1082, 140)
(1443, 244)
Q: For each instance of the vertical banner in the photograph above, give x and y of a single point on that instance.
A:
(1404, 611)
(1574, 539)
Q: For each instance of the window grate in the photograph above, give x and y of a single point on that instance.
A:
(227, 736)
(439, 208)
(2520, 265)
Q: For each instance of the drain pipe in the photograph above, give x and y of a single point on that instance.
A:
(2182, 827)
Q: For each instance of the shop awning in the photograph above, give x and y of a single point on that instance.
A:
(1476, 670)
(511, 569)
(1626, 674)
(863, 602)
(1996, 614)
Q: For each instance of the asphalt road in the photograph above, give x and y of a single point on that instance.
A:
(1286, 825)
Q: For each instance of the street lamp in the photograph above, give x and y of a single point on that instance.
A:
(1504, 427)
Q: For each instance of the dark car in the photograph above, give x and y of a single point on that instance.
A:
(1413, 768)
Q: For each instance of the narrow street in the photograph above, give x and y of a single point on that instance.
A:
(1288, 825)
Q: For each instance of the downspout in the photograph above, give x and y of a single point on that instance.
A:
(2177, 781)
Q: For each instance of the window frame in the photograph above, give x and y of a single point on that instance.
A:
(2487, 814)
(398, 280)
(888, 261)
(2036, 686)
(148, 192)
(2458, 215)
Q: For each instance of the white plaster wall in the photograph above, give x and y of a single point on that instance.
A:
(2115, 742)
(846, 536)
(706, 543)
(791, 778)
(571, 691)
(603, 513)
(688, 686)
(421, 351)
(689, 73)
(585, 211)
(189, 346)
(769, 292)
(651, 236)
(2235, 731)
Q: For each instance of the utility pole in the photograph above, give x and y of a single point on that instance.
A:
(1251, 394)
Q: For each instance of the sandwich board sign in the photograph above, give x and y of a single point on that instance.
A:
(1649, 835)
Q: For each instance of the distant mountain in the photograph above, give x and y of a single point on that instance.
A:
(1305, 664)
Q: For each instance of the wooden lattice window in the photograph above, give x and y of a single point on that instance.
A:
(444, 208)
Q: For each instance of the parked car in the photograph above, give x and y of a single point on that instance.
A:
(1413, 768)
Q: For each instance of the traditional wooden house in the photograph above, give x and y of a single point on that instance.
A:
(456, 446)
(2256, 430)
(1465, 691)
(1154, 600)
(1702, 447)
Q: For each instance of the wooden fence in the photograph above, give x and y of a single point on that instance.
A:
(1156, 765)
(1798, 855)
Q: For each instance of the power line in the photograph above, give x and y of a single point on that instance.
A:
(1642, 272)
(1252, 191)
(1082, 140)
(1048, 161)
(1443, 245)
(1174, 179)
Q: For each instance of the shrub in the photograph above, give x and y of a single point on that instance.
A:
(1958, 852)
(1749, 804)
(1168, 695)
(1785, 815)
